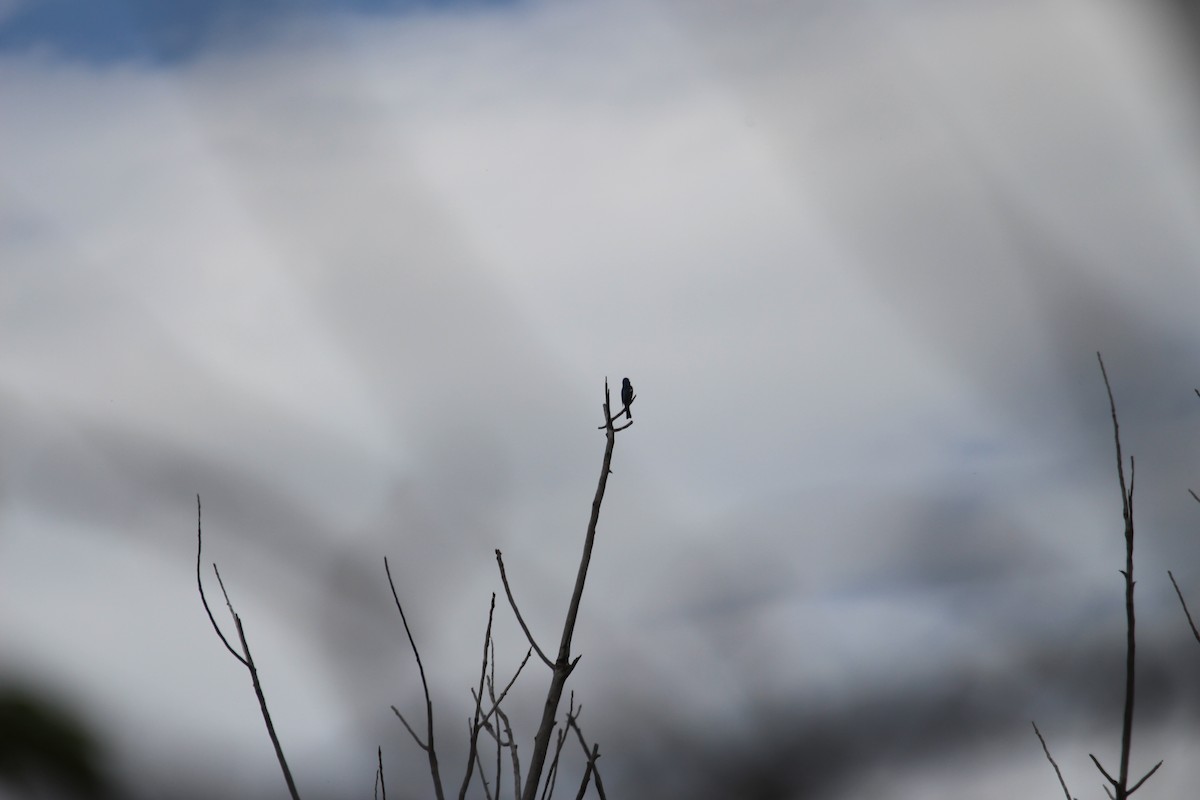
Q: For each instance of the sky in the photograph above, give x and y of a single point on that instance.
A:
(356, 273)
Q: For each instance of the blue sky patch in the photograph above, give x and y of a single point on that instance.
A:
(168, 31)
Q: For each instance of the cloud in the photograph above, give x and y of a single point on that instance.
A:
(358, 281)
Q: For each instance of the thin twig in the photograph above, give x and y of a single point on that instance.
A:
(561, 739)
(1183, 603)
(491, 687)
(428, 746)
(618, 428)
(1103, 771)
(1138, 785)
(1121, 785)
(585, 781)
(246, 659)
(594, 753)
(552, 772)
(496, 701)
(502, 718)
(200, 586)
(379, 784)
(511, 744)
(476, 724)
(410, 730)
(512, 602)
(492, 731)
(487, 789)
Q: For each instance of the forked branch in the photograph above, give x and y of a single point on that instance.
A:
(246, 659)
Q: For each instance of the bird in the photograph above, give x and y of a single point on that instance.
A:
(627, 396)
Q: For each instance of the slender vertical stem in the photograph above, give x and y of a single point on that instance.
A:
(563, 664)
(1122, 785)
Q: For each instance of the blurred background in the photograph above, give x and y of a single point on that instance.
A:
(355, 272)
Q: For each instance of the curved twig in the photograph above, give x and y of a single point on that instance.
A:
(246, 658)
(200, 586)
(513, 603)
(427, 746)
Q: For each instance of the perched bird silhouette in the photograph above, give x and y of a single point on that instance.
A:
(627, 396)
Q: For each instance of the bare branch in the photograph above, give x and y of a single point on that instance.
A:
(1112, 405)
(476, 724)
(496, 701)
(200, 586)
(1122, 783)
(563, 664)
(583, 783)
(1183, 603)
(595, 773)
(1061, 781)
(593, 754)
(487, 790)
(1138, 785)
(491, 687)
(512, 602)
(429, 746)
(411, 732)
(262, 704)
(1103, 771)
(246, 659)
(379, 784)
(511, 744)
(608, 417)
(492, 731)
(552, 772)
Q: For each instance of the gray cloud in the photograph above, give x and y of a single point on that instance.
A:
(359, 288)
